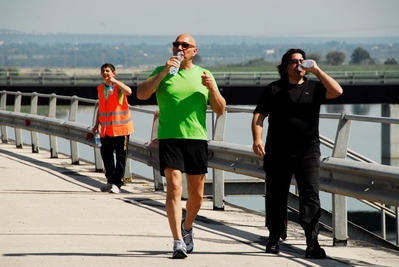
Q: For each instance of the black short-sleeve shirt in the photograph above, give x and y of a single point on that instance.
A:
(293, 115)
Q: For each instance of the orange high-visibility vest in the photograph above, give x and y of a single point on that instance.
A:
(114, 115)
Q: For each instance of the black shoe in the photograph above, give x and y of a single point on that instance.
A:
(315, 252)
(272, 247)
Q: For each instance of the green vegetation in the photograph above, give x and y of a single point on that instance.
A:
(13, 70)
(252, 65)
(359, 56)
(335, 58)
(331, 56)
(391, 61)
(360, 61)
(271, 67)
(234, 56)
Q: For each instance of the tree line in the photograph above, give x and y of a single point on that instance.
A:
(33, 55)
(358, 56)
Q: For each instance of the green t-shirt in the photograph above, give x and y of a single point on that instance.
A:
(182, 102)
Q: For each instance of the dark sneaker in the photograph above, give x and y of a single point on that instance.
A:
(187, 238)
(315, 252)
(273, 247)
(106, 188)
(179, 249)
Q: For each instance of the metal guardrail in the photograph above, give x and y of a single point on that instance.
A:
(342, 177)
(222, 78)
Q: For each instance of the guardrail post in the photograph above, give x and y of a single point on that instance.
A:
(135, 79)
(389, 147)
(258, 79)
(98, 162)
(219, 127)
(34, 136)
(18, 131)
(9, 78)
(127, 178)
(158, 180)
(227, 79)
(383, 222)
(184, 194)
(397, 225)
(51, 114)
(3, 105)
(339, 205)
(41, 78)
(73, 115)
(73, 79)
(389, 151)
(389, 134)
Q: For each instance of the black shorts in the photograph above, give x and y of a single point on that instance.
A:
(187, 155)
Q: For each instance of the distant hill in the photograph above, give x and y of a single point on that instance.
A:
(10, 36)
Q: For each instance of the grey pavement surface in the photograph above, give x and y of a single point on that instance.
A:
(53, 214)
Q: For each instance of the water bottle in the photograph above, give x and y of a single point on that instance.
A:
(97, 139)
(174, 70)
(110, 89)
(306, 64)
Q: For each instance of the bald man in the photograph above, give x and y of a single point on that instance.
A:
(182, 135)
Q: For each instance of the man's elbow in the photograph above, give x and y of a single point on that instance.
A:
(220, 110)
(140, 95)
(336, 93)
(339, 93)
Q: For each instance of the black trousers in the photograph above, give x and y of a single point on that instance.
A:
(279, 171)
(114, 166)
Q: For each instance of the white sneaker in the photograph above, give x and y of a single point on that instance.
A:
(179, 249)
(187, 238)
(106, 188)
(115, 189)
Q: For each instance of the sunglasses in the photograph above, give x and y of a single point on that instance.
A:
(296, 61)
(182, 44)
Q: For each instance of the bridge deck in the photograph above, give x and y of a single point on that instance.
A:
(53, 215)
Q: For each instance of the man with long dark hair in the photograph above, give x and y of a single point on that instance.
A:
(292, 104)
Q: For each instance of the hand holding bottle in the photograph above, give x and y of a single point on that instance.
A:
(97, 138)
(110, 89)
(306, 64)
(173, 70)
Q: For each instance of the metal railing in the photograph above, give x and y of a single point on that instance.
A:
(222, 78)
(343, 174)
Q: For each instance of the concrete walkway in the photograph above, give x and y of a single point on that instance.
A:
(52, 214)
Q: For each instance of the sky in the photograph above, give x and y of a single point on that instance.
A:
(291, 18)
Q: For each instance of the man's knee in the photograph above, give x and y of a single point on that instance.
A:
(195, 196)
